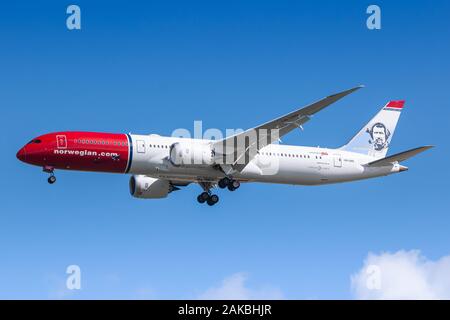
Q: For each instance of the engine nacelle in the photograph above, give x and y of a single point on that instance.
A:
(188, 154)
(149, 188)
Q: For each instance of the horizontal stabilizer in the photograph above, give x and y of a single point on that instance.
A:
(398, 157)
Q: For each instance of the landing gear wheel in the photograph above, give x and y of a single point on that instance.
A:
(51, 179)
(204, 195)
(224, 182)
(229, 183)
(200, 199)
(236, 184)
(212, 200)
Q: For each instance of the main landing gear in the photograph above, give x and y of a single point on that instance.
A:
(229, 183)
(206, 195)
(212, 199)
(52, 178)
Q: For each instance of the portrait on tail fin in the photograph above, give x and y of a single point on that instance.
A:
(379, 137)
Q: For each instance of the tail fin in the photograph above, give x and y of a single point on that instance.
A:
(375, 137)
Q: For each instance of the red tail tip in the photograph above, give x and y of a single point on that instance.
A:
(396, 104)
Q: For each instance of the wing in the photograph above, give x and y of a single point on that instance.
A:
(236, 151)
(398, 157)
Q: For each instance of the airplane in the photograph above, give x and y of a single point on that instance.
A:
(160, 165)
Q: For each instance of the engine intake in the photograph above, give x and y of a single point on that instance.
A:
(145, 187)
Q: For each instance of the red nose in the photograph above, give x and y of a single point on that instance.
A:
(22, 155)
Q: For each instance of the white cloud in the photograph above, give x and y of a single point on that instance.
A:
(233, 287)
(402, 275)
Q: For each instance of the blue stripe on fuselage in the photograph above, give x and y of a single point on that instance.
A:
(130, 156)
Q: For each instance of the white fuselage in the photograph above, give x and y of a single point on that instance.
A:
(274, 163)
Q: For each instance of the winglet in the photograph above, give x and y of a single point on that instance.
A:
(346, 92)
(325, 102)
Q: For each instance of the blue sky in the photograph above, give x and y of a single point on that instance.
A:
(156, 66)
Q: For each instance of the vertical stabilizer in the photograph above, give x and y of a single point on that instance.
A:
(375, 137)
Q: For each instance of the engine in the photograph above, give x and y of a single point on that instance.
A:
(149, 188)
(188, 154)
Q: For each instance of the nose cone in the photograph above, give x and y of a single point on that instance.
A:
(22, 154)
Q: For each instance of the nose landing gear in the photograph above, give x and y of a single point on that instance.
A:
(52, 178)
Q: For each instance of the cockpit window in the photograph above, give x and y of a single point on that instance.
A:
(35, 141)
